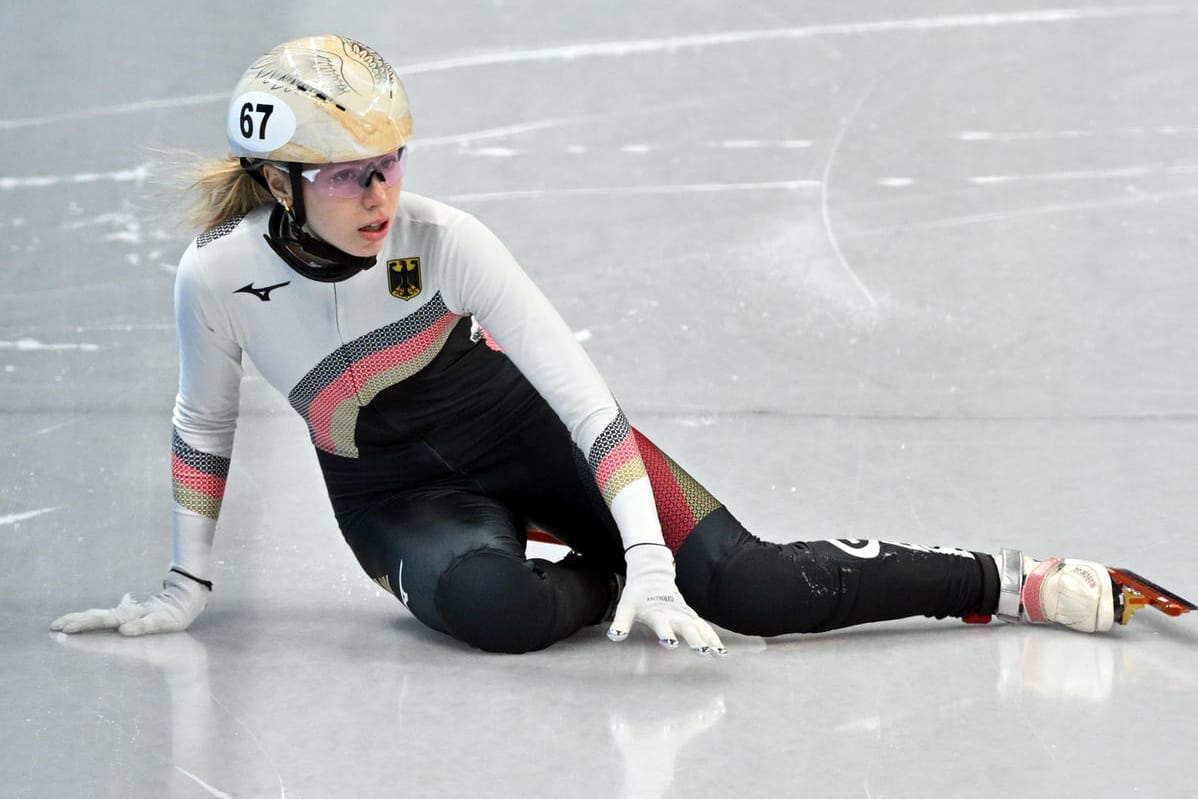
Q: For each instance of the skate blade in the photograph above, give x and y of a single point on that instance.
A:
(1139, 592)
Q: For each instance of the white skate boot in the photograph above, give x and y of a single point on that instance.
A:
(1078, 594)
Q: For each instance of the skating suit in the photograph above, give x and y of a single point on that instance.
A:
(451, 407)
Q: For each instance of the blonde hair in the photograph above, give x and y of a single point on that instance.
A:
(223, 191)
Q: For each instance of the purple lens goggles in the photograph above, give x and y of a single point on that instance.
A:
(350, 179)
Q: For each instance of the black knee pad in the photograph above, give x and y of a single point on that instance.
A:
(457, 561)
(408, 543)
(496, 602)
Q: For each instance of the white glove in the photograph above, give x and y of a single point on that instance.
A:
(181, 599)
(650, 596)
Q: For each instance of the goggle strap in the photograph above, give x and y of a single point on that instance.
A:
(253, 168)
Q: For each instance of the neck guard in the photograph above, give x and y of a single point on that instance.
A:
(312, 258)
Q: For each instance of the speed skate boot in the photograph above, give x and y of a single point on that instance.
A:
(1078, 594)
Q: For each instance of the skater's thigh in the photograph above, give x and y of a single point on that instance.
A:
(408, 541)
(538, 472)
(558, 491)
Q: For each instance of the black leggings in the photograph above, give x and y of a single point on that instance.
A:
(442, 524)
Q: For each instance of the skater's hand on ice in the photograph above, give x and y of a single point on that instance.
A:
(651, 597)
(170, 610)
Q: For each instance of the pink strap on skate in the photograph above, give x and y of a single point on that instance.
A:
(1030, 595)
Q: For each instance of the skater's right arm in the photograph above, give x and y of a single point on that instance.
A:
(205, 418)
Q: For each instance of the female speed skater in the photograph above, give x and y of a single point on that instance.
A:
(452, 409)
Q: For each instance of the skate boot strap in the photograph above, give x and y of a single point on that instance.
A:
(1030, 596)
(1019, 591)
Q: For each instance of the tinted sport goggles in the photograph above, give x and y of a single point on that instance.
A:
(349, 179)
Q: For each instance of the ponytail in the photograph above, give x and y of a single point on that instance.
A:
(224, 191)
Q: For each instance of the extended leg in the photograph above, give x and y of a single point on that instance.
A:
(746, 585)
(750, 586)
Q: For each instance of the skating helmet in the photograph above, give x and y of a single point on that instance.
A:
(318, 100)
(315, 100)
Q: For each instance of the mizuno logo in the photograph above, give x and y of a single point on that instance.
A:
(262, 293)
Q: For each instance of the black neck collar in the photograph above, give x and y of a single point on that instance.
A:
(312, 258)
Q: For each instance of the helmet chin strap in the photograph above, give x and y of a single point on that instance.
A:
(306, 254)
(297, 210)
(312, 258)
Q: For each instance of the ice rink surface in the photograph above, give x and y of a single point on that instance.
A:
(921, 271)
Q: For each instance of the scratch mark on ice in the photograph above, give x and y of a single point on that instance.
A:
(492, 133)
(600, 191)
(671, 44)
(217, 793)
(1090, 174)
(137, 175)
(761, 144)
(570, 52)
(33, 345)
(1051, 208)
(115, 110)
(54, 427)
(257, 741)
(1035, 135)
(826, 214)
(14, 518)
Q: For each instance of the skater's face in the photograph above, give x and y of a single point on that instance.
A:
(349, 205)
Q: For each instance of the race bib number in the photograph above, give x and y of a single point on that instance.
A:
(261, 122)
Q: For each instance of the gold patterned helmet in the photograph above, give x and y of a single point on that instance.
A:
(318, 100)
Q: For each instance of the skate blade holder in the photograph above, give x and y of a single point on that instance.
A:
(1138, 592)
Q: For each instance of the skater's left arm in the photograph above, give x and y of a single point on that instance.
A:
(485, 280)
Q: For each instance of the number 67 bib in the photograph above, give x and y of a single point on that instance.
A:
(261, 122)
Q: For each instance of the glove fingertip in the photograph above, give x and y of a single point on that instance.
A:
(616, 635)
(623, 619)
(68, 622)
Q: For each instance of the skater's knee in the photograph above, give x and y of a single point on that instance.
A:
(495, 602)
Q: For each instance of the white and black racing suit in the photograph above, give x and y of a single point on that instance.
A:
(451, 408)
